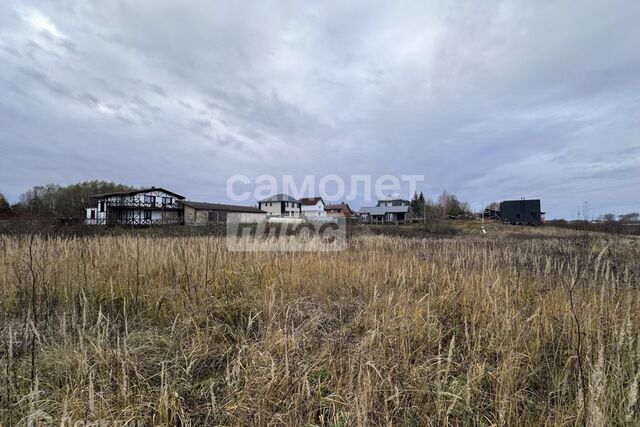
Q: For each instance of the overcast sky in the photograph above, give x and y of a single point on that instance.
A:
(489, 100)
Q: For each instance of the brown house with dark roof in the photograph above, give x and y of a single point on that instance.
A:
(341, 209)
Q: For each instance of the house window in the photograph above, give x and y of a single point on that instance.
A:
(147, 214)
(166, 200)
(150, 199)
(217, 216)
(102, 203)
(92, 214)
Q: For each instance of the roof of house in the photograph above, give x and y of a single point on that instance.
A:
(89, 205)
(337, 206)
(310, 201)
(381, 210)
(220, 207)
(142, 190)
(391, 199)
(279, 198)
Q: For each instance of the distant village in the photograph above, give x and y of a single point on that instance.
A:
(103, 203)
(159, 206)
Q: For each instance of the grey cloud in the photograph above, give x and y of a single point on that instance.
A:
(486, 99)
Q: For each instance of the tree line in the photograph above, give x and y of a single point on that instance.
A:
(628, 218)
(55, 201)
(446, 204)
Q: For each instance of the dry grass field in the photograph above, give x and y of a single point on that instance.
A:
(538, 327)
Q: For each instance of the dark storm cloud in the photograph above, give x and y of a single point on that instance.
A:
(488, 100)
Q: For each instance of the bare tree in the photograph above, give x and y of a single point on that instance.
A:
(608, 217)
(630, 217)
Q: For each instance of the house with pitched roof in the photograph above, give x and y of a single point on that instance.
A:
(339, 210)
(158, 206)
(313, 207)
(389, 210)
(148, 206)
(281, 205)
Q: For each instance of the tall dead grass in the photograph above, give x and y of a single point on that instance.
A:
(465, 330)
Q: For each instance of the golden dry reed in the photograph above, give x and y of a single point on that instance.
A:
(139, 330)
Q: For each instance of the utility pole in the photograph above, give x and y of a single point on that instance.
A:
(424, 213)
(585, 211)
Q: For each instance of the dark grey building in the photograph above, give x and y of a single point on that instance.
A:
(388, 210)
(523, 211)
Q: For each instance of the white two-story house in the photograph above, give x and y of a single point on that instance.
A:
(281, 205)
(149, 206)
(312, 207)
